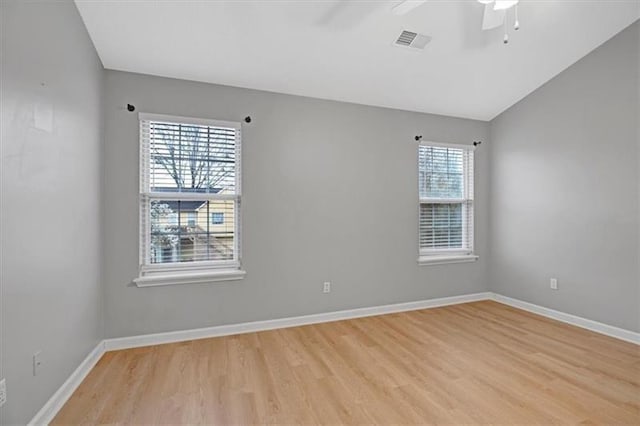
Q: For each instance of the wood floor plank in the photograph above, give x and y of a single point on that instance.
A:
(480, 362)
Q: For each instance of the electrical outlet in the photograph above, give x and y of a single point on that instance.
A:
(553, 283)
(37, 362)
(327, 287)
(3, 392)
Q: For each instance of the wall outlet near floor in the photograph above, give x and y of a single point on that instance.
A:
(326, 287)
(553, 283)
(3, 392)
(37, 362)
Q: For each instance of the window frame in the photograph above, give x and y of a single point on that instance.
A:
(451, 255)
(151, 274)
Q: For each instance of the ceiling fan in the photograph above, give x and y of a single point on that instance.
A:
(495, 12)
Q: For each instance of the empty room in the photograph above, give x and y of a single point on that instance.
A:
(322, 212)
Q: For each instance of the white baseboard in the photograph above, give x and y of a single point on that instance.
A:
(598, 327)
(249, 327)
(64, 392)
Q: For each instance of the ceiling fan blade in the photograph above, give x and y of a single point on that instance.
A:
(406, 6)
(344, 15)
(504, 4)
(492, 18)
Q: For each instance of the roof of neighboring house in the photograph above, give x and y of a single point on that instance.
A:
(184, 206)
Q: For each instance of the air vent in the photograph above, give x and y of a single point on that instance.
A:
(412, 40)
(406, 38)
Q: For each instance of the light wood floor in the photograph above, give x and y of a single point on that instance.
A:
(479, 362)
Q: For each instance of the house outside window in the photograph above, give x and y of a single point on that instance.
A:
(189, 172)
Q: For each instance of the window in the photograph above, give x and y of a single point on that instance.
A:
(191, 218)
(445, 187)
(217, 218)
(189, 172)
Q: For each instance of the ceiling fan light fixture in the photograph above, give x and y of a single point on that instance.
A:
(504, 4)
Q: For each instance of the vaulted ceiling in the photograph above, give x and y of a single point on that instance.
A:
(343, 50)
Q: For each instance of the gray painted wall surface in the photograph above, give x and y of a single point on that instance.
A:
(51, 218)
(329, 193)
(565, 188)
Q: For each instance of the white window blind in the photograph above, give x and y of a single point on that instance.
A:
(189, 172)
(445, 186)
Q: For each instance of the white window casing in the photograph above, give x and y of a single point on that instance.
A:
(189, 169)
(446, 203)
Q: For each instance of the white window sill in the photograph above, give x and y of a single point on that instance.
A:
(173, 278)
(446, 259)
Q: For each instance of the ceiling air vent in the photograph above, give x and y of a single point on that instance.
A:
(412, 40)
(406, 38)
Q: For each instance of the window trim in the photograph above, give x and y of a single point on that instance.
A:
(191, 277)
(444, 260)
(188, 272)
(189, 120)
(447, 255)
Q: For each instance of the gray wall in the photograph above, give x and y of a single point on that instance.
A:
(329, 193)
(51, 172)
(565, 187)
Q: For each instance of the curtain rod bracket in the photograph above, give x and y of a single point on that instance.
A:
(418, 138)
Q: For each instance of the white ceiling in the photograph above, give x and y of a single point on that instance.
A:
(342, 50)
